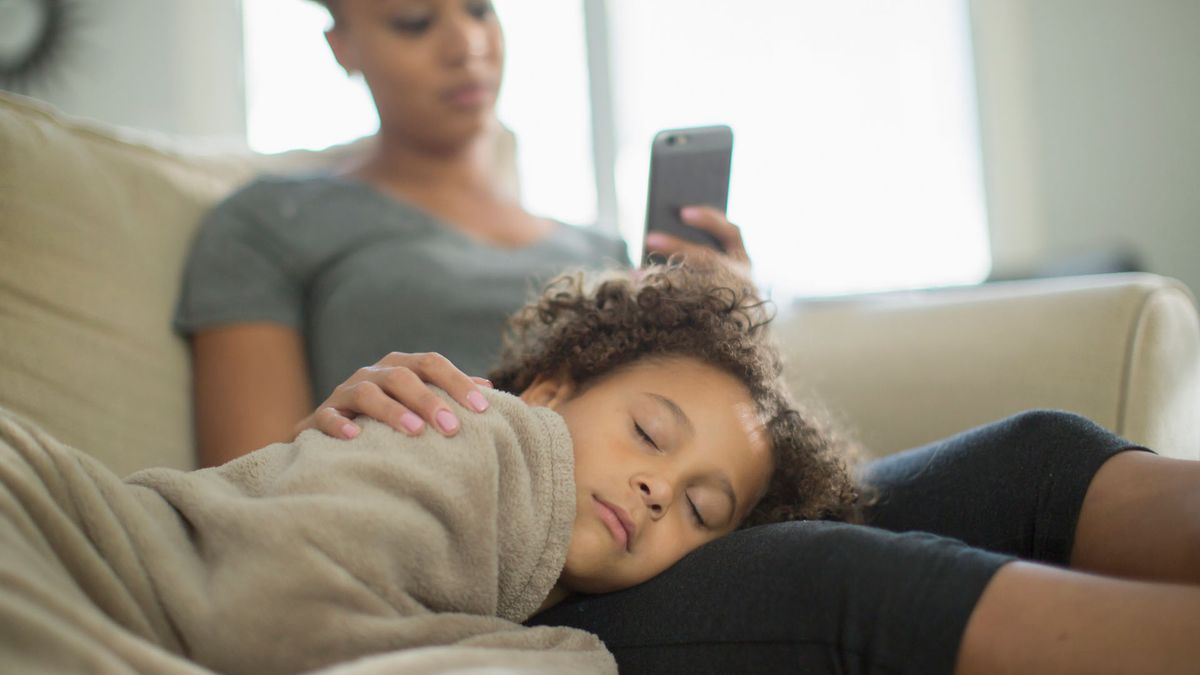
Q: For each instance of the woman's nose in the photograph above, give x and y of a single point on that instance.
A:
(655, 492)
(466, 38)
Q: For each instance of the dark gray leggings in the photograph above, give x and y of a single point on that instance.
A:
(820, 597)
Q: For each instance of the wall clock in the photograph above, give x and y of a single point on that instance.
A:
(33, 34)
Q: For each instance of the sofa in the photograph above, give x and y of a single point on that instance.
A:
(95, 222)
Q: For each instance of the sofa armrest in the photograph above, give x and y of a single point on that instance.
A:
(903, 369)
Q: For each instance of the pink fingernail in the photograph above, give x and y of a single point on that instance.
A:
(411, 423)
(446, 420)
(689, 212)
(349, 430)
(655, 240)
(477, 401)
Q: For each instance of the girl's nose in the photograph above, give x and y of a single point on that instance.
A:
(656, 494)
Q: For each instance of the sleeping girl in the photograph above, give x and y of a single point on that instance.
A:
(647, 418)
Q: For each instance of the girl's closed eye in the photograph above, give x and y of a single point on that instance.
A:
(696, 515)
(645, 437)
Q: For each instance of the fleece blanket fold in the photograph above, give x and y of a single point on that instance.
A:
(379, 555)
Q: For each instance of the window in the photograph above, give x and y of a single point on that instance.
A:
(856, 158)
(855, 162)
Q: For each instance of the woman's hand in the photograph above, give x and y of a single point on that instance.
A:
(396, 391)
(715, 223)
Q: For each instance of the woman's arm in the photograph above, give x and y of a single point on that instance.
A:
(251, 386)
(252, 389)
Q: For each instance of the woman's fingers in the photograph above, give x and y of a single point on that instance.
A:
(331, 422)
(412, 387)
(396, 391)
(715, 223)
(712, 221)
(435, 369)
(668, 245)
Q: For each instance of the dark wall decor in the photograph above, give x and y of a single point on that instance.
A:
(36, 37)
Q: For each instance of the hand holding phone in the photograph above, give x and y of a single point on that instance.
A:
(688, 167)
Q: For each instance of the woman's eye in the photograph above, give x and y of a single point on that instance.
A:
(480, 10)
(412, 25)
(645, 436)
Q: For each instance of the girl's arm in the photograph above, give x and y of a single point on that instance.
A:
(251, 385)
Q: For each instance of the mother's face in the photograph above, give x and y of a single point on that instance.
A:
(433, 66)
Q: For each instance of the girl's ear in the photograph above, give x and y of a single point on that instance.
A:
(549, 391)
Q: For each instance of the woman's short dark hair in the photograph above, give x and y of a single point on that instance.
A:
(589, 326)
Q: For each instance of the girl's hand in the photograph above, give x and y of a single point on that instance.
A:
(396, 391)
(712, 221)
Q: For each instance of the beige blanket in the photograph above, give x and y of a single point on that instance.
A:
(412, 555)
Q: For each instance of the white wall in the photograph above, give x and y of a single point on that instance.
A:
(169, 65)
(1089, 114)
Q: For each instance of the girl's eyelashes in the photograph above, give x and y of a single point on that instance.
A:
(696, 513)
(644, 436)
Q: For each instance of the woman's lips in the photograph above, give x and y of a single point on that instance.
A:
(617, 521)
(468, 96)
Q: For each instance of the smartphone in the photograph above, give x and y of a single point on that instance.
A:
(688, 167)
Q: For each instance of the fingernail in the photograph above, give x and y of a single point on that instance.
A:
(655, 240)
(411, 423)
(349, 430)
(478, 402)
(446, 420)
(689, 212)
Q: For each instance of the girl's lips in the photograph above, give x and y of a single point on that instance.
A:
(611, 518)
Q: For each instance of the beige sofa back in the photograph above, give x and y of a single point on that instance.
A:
(95, 223)
(904, 369)
(94, 227)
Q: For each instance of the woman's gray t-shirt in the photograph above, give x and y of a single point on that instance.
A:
(360, 274)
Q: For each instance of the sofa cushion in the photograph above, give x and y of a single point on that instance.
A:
(94, 225)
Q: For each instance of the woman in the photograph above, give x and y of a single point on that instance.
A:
(811, 597)
(287, 278)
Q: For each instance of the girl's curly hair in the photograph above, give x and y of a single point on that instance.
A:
(591, 327)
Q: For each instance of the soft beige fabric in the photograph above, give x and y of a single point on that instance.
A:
(298, 556)
(95, 222)
(904, 369)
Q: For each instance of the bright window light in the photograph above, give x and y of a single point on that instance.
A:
(297, 96)
(856, 161)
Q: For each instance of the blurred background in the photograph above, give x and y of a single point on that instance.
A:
(879, 144)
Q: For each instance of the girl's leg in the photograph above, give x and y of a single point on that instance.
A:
(1040, 619)
(1141, 519)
